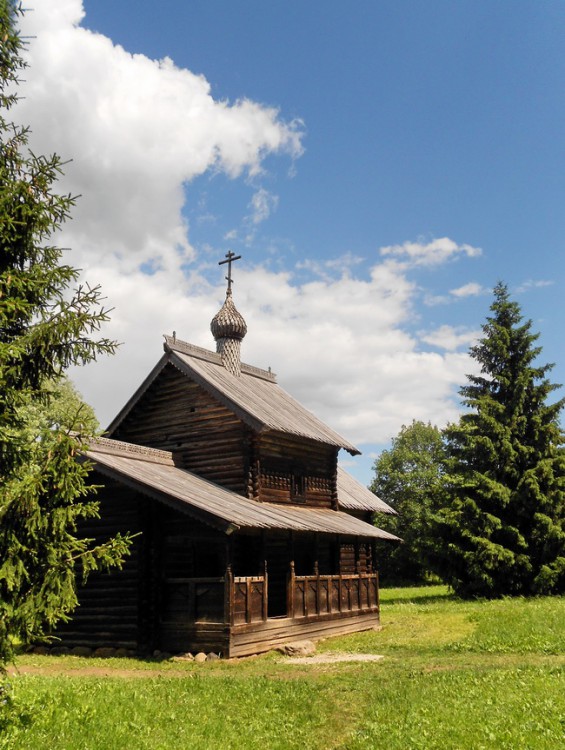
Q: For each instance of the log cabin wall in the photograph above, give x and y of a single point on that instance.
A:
(116, 608)
(177, 415)
(296, 470)
(170, 593)
(356, 557)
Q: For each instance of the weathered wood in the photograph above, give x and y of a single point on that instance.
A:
(325, 594)
(254, 639)
(176, 414)
(189, 584)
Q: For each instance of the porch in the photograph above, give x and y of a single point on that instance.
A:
(233, 611)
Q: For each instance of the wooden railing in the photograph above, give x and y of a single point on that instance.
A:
(243, 600)
(246, 598)
(332, 594)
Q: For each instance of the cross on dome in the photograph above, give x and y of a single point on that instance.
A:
(230, 258)
(228, 325)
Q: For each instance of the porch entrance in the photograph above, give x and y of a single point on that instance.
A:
(277, 556)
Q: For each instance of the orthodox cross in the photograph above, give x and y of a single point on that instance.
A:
(230, 257)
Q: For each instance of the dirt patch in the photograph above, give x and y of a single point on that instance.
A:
(103, 670)
(331, 658)
(98, 672)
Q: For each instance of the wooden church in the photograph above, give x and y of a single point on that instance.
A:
(251, 534)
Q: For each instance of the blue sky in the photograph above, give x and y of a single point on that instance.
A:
(378, 165)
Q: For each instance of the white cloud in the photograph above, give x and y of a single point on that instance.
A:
(532, 284)
(472, 289)
(138, 131)
(430, 253)
(262, 204)
(450, 337)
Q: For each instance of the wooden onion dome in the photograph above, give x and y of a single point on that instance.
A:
(229, 328)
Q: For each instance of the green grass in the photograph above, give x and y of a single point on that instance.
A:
(456, 675)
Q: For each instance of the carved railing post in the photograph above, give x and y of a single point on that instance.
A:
(318, 597)
(265, 591)
(290, 591)
(229, 596)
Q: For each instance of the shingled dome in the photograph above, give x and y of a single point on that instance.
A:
(228, 322)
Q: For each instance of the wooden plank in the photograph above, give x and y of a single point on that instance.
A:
(243, 643)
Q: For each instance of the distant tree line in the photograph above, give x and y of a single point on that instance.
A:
(481, 504)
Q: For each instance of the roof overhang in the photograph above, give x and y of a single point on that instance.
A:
(153, 473)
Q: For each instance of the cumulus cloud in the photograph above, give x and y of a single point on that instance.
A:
(450, 338)
(429, 253)
(138, 130)
(339, 335)
(472, 289)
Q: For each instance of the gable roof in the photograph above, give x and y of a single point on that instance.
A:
(353, 495)
(153, 472)
(254, 396)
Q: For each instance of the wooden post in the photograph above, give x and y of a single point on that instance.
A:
(229, 596)
(378, 591)
(317, 574)
(290, 591)
(358, 571)
(334, 501)
(247, 599)
(265, 591)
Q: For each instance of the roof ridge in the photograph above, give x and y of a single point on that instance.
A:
(131, 450)
(177, 345)
(198, 352)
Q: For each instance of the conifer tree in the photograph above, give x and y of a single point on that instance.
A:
(503, 530)
(45, 327)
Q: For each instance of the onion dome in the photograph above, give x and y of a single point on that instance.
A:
(228, 322)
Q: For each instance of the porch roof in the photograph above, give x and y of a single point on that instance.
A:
(353, 495)
(153, 472)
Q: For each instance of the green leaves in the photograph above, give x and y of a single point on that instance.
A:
(409, 476)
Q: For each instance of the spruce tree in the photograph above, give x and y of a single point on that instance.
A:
(45, 327)
(503, 530)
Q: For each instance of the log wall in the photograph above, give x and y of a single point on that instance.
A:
(296, 470)
(170, 587)
(177, 415)
(109, 612)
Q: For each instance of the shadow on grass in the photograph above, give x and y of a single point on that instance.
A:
(420, 595)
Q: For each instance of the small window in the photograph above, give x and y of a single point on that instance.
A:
(299, 486)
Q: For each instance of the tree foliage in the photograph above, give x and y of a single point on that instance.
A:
(409, 477)
(45, 327)
(503, 529)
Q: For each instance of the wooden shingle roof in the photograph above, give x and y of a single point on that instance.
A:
(353, 495)
(254, 396)
(153, 472)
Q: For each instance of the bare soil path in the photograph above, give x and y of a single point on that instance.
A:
(57, 669)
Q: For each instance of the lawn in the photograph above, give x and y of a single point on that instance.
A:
(456, 675)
